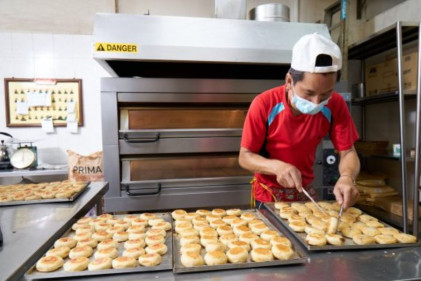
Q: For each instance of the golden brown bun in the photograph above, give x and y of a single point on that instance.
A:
(189, 232)
(350, 232)
(137, 243)
(259, 228)
(248, 237)
(309, 229)
(99, 264)
(76, 264)
(102, 226)
(124, 262)
(388, 230)
(217, 223)
(261, 255)
(203, 212)
(106, 253)
(365, 218)
(154, 239)
(206, 239)
(215, 258)
(65, 242)
(147, 216)
(362, 239)
(133, 228)
(134, 252)
(405, 238)
(160, 249)
(130, 218)
(150, 259)
(225, 229)
(234, 212)
(182, 226)
(298, 226)
(101, 235)
(237, 255)
(370, 231)
(156, 231)
(121, 236)
(155, 221)
(189, 239)
(195, 247)
(215, 246)
(241, 244)
(48, 264)
(123, 224)
(280, 240)
(190, 259)
(83, 251)
(115, 229)
(269, 235)
(227, 238)
(190, 216)
(137, 235)
(282, 252)
(229, 219)
(279, 205)
(332, 225)
(260, 243)
(238, 230)
(373, 223)
(238, 222)
(315, 239)
(139, 222)
(178, 214)
(385, 239)
(335, 239)
(248, 216)
(108, 243)
(219, 212)
(208, 231)
(61, 252)
(163, 225)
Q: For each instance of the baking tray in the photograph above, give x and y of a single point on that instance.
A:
(41, 201)
(299, 257)
(166, 264)
(348, 245)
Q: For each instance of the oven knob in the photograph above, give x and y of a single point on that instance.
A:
(331, 159)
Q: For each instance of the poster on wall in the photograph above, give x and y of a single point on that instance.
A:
(32, 102)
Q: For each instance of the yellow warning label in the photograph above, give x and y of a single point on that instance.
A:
(115, 47)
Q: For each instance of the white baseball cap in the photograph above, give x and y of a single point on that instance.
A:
(309, 47)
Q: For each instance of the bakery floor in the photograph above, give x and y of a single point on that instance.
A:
(27, 235)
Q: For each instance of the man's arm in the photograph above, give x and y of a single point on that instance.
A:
(287, 175)
(349, 168)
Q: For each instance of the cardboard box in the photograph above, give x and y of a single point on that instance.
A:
(382, 77)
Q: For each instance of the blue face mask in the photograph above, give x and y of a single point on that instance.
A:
(306, 106)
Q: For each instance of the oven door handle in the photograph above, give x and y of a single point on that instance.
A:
(127, 187)
(144, 140)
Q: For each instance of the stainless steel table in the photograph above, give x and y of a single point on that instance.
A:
(29, 230)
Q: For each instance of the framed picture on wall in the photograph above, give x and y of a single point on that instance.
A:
(30, 101)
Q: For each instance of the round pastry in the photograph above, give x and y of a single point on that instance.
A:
(130, 218)
(234, 212)
(347, 218)
(137, 243)
(101, 235)
(203, 212)
(282, 252)
(102, 226)
(259, 228)
(76, 225)
(190, 216)
(280, 240)
(100, 263)
(333, 213)
(83, 251)
(199, 219)
(180, 221)
(229, 219)
(147, 216)
(106, 253)
(85, 228)
(388, 230)
(194, 247)
(237, 255)
(238, 243)
(296, 217)
(370, 231)
(215, 258)
(362, 239)
(76, 264)
(121, 236)
(205, 239)
(373, 223)
(358, 225)
(107, 243)
(217, 223)
(298, 206)
(335, 239)
(87, 242)
(155, 221)
(405, 238)
(365, 218)
(85, 220)
(154, 239)
(355, 212)
(238, 222)
(261, 255)
(210, 218)
(150, 259)
(134, 252)
(248, 216)
(200, 225)
(190, 259)
(248, 237)
(219, 212)
(332, 225)
(133, 228)
(156, 231)
(215, 246)
(254, 222)
(115, 229)
(124, 262)
(113, 220)
(188, 232)
(50, 263)
(61, 252)
(208, 231)
(189, 239)
(385, 239)
(163, 225)
(260, 243)
(123, 224)
(160, 249)
(349, 232)
(286, 213)
(180, 227)
(66, 242)
(319, 224)
(224, 229)
(104, 217)
(137, 235)
(279, 205)
(178, 214)
(298, 226)
(309, 229)
(343, 225)
(268, 235)
(238, 230)
(82, 235)
(227, 238)
(139, 221)
(316, 239)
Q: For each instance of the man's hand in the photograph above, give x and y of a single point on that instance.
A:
(289, 176)
(345, 192)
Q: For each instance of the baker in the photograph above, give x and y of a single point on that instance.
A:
(285, 124)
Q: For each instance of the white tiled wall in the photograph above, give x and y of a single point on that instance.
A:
(33, 55)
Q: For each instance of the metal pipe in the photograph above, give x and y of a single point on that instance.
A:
(417, 142)
(402, 126)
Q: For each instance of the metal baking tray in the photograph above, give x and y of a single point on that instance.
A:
(348, 245)
(41, 201)
(166, 264)
(299, 255)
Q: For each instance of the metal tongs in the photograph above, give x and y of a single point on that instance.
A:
(314, 202)
(339, 217)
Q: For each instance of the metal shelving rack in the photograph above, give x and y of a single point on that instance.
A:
(396, 36)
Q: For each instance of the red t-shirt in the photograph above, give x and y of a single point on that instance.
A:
(272, 130)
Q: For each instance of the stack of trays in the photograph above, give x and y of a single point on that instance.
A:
(356, 230)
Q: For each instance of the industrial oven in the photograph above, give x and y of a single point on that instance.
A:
(172, 117)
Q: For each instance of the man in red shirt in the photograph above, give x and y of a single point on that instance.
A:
(285, 124)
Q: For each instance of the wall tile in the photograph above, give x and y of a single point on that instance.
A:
(22, 45)
(43, 45)
(6, 45)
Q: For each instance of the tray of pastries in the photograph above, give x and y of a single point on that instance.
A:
(45, 192)
(218, 239)
(109, 244)
(319, 231)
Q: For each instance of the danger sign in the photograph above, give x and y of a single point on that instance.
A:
(115, 47)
